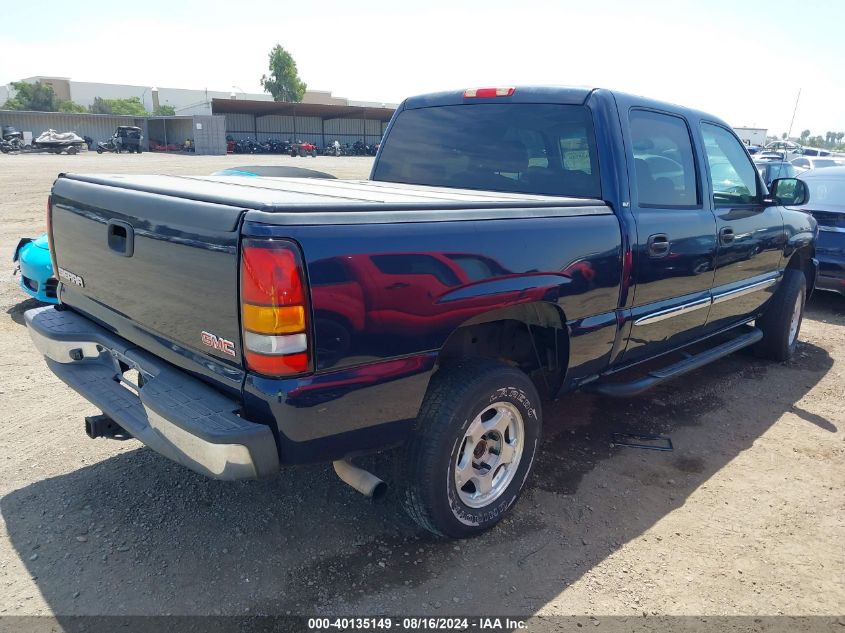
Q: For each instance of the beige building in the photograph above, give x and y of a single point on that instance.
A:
(184, 101)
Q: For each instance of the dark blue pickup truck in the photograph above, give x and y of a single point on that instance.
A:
(509, 240)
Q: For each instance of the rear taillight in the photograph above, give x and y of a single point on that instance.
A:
(274, 308)
(50, 244)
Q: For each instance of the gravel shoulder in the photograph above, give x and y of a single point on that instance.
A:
(745, 516)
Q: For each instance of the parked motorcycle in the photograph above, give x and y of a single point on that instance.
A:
(247, 146)
(279, 147)
(13, 139)
(332, 149)
(359, 148)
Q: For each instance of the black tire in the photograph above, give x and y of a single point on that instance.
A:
(99, 150)
(779, 340)
(457, 395)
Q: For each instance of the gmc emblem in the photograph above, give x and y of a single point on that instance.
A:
(220, 344)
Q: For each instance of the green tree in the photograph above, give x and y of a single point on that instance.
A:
(99, 106)
(283, 82)
(32, 96)
(783, 136)
(164, 110)
(131, 106)
(804, 136)
(66, 105)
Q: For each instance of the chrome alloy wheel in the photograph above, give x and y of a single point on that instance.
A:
(489, 454)
(796, 318)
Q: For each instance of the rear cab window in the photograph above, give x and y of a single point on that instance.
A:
(664, 163)
(546, 149)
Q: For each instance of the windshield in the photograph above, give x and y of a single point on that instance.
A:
(524, 148)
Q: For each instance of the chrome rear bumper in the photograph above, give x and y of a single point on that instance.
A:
(173, 413)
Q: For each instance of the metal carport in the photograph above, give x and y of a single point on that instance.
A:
(316, 122)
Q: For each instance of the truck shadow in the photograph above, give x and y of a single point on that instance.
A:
(16, 312)
(136, 534)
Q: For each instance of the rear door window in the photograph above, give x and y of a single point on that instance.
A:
(664, 166)
(512, 147)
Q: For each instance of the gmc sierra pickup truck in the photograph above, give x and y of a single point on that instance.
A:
(510, 241)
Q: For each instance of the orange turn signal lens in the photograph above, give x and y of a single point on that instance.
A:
(270, 320)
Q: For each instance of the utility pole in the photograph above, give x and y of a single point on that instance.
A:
(788, 134)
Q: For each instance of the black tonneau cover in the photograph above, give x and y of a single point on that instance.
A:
(311, 194)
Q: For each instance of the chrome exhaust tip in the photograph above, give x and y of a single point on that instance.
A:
(362, 480)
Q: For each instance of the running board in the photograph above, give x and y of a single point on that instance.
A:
(657, 376)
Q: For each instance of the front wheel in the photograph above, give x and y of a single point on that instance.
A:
(472, 449)
(781, 322)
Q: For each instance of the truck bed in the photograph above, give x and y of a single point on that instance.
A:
(177, 281)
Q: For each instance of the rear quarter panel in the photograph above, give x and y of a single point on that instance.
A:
(414, 284)
(421, 281)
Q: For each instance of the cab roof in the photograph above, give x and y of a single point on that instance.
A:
(563, 95)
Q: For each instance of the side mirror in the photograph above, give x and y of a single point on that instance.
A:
(789, 192)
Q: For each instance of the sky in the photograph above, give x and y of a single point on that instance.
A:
(741, 60)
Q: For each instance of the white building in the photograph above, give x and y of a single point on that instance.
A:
(184, 101)
(752, 135)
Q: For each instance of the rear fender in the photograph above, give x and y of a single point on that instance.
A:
(532, 336)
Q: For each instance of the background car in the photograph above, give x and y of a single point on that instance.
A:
(815, 151)
(770, 154)
(826, 203)
(35, 268)
(803, 163)
(789, 146)
(772, 169)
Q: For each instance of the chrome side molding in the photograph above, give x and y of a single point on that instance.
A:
(668, 313)
(698, 304)
(745, 290)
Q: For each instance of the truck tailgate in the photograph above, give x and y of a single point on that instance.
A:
(160, 271)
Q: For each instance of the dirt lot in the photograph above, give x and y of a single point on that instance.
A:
(745, 516)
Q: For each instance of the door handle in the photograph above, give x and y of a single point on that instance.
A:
(397, 285)
(726, 235)
(658, 245)
(121, 238)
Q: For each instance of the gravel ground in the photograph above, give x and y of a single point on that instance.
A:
(745, 516)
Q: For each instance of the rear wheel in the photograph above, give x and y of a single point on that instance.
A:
(781, 322)
(472, 449)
